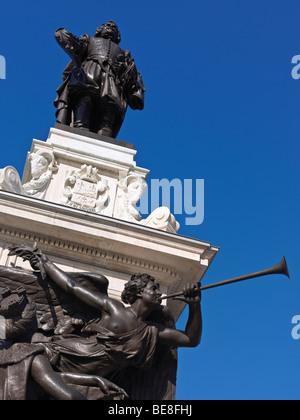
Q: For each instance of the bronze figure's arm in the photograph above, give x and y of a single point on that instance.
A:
(107, 387)
(191, 337)
(72, 45)
(98, 300)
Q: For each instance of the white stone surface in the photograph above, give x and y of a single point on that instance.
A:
(112, 162)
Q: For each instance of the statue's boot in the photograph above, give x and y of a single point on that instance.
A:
(82, 113)
(106, 122)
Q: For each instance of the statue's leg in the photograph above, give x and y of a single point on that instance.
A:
(82, 112)
(106, 122)
(51, 382)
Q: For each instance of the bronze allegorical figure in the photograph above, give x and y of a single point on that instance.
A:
(66, 339)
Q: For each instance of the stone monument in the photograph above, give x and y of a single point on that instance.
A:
(78, 260)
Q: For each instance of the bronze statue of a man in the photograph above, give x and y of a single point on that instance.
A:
(99, 83)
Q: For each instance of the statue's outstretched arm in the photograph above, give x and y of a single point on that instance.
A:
(96, 299)
(99, 301)
(75, 47)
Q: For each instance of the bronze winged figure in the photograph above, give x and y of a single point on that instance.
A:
(66, 339)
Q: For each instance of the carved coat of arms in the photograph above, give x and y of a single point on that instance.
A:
(85, 189)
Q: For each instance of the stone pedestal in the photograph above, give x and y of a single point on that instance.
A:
(77, 199)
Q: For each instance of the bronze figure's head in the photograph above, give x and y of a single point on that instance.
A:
(135, 287)
(109, 30)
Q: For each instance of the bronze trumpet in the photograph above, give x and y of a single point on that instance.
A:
(280, 268)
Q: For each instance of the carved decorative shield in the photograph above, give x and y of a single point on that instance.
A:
(86, 190)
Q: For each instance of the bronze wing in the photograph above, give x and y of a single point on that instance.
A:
(56, 311)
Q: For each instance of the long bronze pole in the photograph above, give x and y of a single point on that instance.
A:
(280, 268)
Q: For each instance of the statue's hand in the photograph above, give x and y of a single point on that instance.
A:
(108, 387)
(37, 259)
(191, 293)
(32, 254)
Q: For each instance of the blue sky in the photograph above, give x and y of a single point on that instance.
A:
(221, 105)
